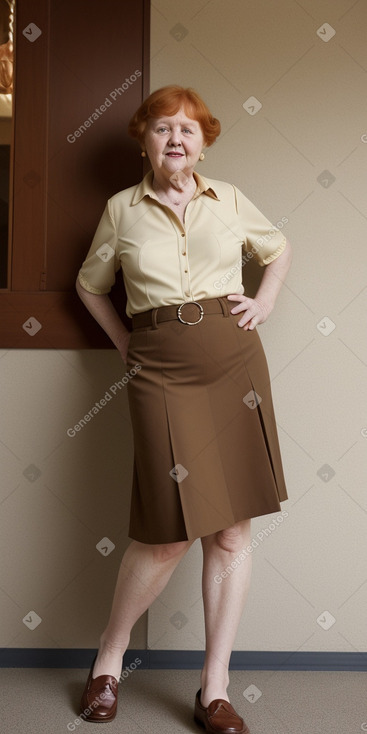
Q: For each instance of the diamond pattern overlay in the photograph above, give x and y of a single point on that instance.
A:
(287, 82)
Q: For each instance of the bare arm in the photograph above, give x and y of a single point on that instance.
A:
(258, 309)
(104, 312)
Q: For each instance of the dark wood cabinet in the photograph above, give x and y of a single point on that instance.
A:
(81, 70)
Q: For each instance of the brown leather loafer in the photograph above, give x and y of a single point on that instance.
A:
(99, 699)
(219, 718)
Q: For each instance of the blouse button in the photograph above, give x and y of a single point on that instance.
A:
(184, 253)
(183, 234)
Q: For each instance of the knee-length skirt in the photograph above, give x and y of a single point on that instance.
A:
(206, 450)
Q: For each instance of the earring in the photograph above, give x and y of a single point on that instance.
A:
(201, 157)
(143, 154)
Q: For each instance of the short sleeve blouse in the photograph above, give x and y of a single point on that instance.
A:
(165, 262)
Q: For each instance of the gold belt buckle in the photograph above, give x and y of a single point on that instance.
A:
(190, 323)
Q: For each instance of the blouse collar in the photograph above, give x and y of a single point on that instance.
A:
(145, 188)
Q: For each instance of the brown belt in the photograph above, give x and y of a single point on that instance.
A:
(189, 313)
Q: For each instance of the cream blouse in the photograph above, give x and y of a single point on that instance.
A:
(165, 262)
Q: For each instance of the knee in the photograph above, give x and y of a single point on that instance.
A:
(170, 551)
(233, 539)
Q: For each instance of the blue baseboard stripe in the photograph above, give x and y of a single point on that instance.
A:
(185, 659)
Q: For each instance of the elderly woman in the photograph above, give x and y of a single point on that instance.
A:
(206, 452)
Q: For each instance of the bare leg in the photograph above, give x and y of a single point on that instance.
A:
(223, 604)
(144, 572)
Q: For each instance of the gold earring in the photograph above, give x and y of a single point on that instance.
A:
(201, 157)
(143, 154)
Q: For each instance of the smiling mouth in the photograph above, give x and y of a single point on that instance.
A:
(175, 155)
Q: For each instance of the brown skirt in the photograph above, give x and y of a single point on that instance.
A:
(206, 451)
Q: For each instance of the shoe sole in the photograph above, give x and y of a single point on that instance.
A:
(215, 731)
(105, 719)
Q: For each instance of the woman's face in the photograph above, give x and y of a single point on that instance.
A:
(173, 144)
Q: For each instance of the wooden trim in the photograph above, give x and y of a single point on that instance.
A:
(146, 49)
(30, 160)
(47, 320)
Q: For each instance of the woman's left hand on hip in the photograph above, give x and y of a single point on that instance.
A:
(255, 312)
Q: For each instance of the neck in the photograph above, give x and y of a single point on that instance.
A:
(179, 183)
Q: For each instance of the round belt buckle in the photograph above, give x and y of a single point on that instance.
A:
(190, 323)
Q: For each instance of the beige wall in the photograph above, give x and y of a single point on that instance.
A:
(313, 119)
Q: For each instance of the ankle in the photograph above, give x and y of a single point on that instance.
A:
(107, 666)
(110, 647)
(213, 686)
(109, 658)
(220, 678)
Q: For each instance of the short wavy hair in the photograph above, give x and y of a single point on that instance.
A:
(167, 101)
